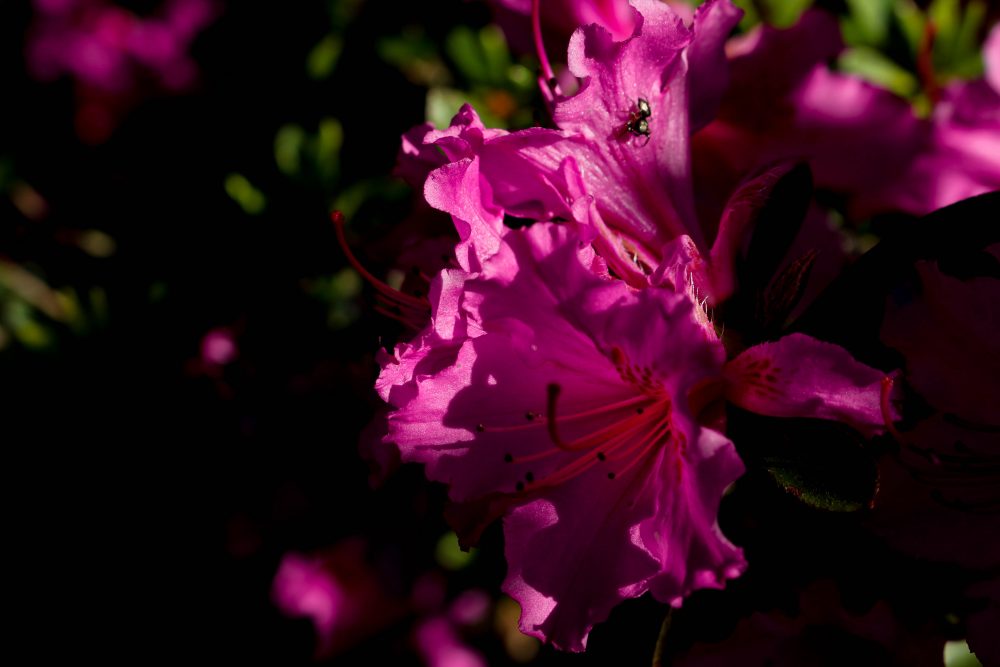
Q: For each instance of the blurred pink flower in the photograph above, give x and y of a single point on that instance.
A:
(112, 53)
(861, 141)
(439, 645)
(338, 591)
(960, 154)
(218, 348)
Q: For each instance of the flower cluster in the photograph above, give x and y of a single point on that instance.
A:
(570, 375)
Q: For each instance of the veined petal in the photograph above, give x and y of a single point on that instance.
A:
(799, 376)
(643, 189)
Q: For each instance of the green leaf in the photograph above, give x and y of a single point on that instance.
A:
(751, 16)
(964, 61)
(496, 54)
(324, 56)
(911, 22)
(288, 143)
(957, 654)
(868, 21)
(946, 16)
(449, 554)
(250, 199)
(329, 141)
(783, 13)
(874, 67)
(444, 103)
(822, 463)
(466, 52)
(416, 56)
(966, 38)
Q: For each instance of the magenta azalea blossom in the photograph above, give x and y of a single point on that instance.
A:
(622, 171)
(576, 408)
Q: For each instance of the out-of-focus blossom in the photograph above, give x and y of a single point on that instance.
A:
(960, 155)
(781, 106)
(439, 645)
(543, 392)
(338, 592)
(822, 632)
(113, 54)
(860, 140)
(218, 348)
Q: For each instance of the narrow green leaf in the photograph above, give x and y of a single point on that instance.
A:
(250, 199)
(870, 19)
(288, 144)
(496, 54)
(324, 56)
(874, 67)
(466, 52)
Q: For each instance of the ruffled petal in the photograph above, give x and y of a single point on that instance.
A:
(457, 188)
(569, 416)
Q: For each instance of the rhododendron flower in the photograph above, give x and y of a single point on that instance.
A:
(633, 190)
(580, 410)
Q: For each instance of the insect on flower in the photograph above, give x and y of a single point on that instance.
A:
(638, 120)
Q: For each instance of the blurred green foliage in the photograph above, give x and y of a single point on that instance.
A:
(913, 52)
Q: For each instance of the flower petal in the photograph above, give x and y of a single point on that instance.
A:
(799, 376)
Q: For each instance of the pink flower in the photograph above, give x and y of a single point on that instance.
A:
(623, 172)
(576, 408)
(784, 102)
(440, 646)
(218, 348)
(960, 156)
(565, 16)
(336, 590)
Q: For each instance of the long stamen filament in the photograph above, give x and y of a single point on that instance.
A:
(390, 292)
(549, 78)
